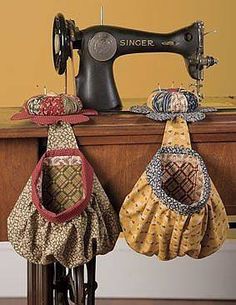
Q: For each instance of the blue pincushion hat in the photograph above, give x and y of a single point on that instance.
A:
(165, 104)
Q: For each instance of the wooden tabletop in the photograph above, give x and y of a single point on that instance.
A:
(120, 123)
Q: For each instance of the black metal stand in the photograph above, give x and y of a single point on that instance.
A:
(92, 284)
(69, 284)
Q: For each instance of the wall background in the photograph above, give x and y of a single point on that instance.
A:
(26, 57)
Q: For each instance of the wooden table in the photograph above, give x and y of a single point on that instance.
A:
(119, 146)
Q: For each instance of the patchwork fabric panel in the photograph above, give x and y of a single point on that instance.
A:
(182, 179)
(61, 183)
(173, 100)
(172, 104)
(53, 104)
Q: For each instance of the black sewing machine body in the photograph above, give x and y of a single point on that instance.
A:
(99, 46)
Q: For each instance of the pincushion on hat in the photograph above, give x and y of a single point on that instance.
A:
(165, 104)
(173, 100)
(51, 108)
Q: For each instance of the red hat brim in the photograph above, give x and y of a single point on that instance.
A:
(53, 119)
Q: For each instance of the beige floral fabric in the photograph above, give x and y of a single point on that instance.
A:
(74, 242)
(172, 224)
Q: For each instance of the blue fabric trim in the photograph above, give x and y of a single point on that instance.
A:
(194, 116)
(154, 176)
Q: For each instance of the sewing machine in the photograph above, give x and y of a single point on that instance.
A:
(98, 47)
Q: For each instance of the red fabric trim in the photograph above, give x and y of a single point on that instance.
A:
(52, 119)
(22, 115)
(87, 178)
(48, 120)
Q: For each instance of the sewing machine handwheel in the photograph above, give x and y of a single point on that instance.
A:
(60, 43)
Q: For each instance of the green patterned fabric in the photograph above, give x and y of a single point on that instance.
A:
(62, 187)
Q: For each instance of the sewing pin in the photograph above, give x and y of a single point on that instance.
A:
(66, 81)
(181, 87)
(101, 15)
(45, 90)
(192, 87)
(210, 32)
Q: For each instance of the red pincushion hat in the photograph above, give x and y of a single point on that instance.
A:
(51, 108)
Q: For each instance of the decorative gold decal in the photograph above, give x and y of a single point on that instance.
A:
(168, 43)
